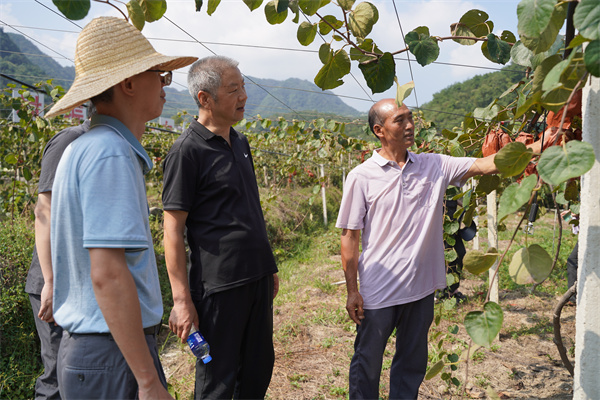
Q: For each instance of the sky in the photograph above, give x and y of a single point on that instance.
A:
(272, 51)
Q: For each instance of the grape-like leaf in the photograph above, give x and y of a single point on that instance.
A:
(558, 164)
(484, 326)
(515, 195)
(530, 265)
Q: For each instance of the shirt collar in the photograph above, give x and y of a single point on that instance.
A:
(206, 134)
(125, 133)
(381, 161)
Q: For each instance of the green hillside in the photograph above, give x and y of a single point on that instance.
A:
(448, 107)
(21, 59)
(13, 63)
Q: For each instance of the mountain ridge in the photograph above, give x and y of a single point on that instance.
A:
(20, 58)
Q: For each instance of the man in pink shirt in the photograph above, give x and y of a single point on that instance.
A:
(395, 199)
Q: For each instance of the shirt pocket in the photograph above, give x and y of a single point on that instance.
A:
(425, 194)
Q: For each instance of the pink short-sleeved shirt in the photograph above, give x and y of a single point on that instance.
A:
(400, 213)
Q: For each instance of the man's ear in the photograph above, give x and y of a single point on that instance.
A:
(205, 99)
(127, 86)
(378, 130)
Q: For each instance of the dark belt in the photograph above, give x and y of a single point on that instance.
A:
(151, 330)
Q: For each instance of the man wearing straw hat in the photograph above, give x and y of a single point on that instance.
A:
(106, 291)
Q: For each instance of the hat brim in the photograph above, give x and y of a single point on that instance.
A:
(87, 86)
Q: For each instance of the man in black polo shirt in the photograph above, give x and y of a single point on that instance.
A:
(210, 188)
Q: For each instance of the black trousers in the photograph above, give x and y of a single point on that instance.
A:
(238, 326)
(46, 385)
(412, 322)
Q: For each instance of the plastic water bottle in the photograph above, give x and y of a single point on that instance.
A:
(199, 345)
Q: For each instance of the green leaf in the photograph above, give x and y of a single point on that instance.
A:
(508, 37)
(587, 19)
(484, 326)
(521, 55)
(306, 33)
(592, 57)
(488, 113)
(325, 53)
(309, 7)
(27, 174)
(366, 45)
(212, 6)
(325, 27)
(496, 50)
(459, 29)
(422, 45)
(74, 10)
(198, 5)
(362, 19)
(530, 265)
(253, 4)
(136, 14)
(515, 196)
(560, 82)
(541, 40)
(402, 92)
(282, 5)
(435, 369)
(274, 17)
(542, 70)
(379, 74)
(11, 159)
(477, 262)
(154, 9)
(331, 74)
(346, 4)
(558, 164)
(316, 189)
(477, 22)
(512, 159)
(487, 184)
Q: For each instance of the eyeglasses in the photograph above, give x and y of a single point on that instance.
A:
(166, 77)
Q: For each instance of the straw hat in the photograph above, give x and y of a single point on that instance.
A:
(110, 50)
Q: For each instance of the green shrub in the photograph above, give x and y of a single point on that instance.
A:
(20, 362)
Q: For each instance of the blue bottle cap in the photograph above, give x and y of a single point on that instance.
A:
(207, 359)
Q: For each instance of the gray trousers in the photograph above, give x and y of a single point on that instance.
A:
(93, 367)
(412, 322)
(46, 385)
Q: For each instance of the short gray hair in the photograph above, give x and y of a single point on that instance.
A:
(205, 75)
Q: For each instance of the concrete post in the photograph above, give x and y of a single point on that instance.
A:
(492, 225)
(587, 325)
(323, 194)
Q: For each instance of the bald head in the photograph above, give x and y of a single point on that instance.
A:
(380, 111)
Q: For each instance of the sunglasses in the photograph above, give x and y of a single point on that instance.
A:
(166, 77)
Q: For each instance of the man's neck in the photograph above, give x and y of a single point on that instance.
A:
(216, 128)
(132, 123)
(400, 156)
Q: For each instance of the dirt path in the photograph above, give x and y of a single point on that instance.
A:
(314, 344)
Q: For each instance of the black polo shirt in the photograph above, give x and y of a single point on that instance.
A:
(215, 183)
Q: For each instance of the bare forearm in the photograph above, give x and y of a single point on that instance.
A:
(117, 298)
(350, 253)
(42, 235)
(176, 260)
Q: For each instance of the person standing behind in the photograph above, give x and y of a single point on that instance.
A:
(395, 199)
(106, 291)
(210, 188)
(39, 278)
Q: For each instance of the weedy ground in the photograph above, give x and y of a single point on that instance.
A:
(314, 337)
